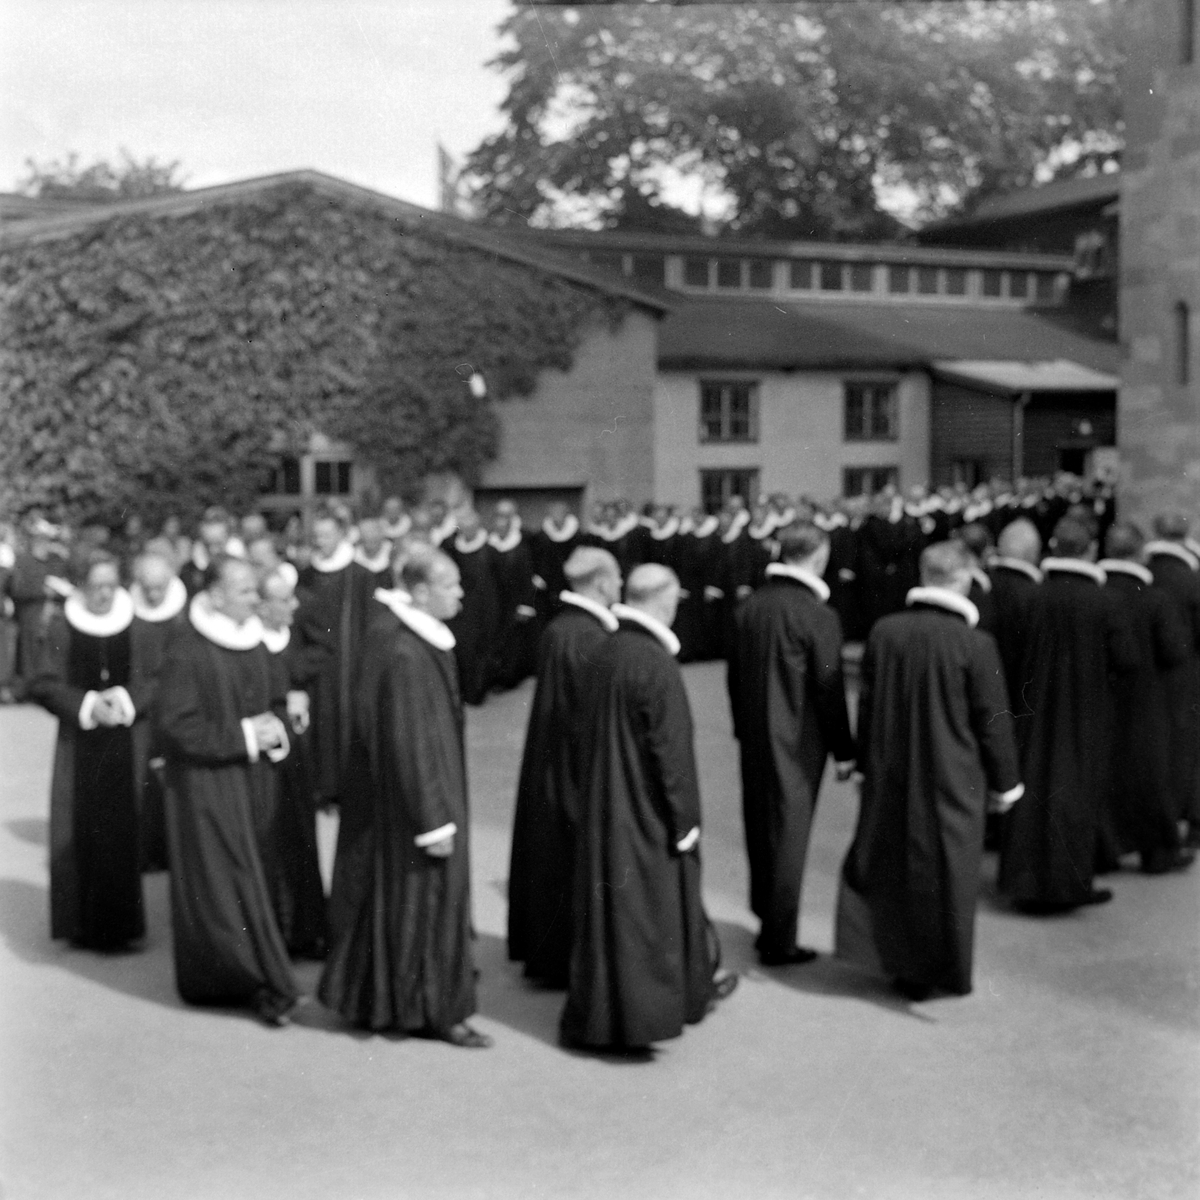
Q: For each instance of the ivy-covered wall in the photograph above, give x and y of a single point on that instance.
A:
(153, 361)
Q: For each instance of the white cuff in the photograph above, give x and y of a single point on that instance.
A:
(713, 593)
(278, 753)
(251, 740)
(686, 842)
(846, 575)
(1001, 801)
(525, 610)
(539, 583)
(440, 834)
(86, 720)
(128, 712)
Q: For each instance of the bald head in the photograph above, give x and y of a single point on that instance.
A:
(593, 573)
(654, 590)
(278, 599)
(1171, 526)
(153, 573)
(1020, 540)
(947, 565)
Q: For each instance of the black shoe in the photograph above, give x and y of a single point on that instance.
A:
(796, 956)
(724, 985)
(463, 1035)
(910, 989)
(274, 1010)
(1162, 862)
(1098, 896)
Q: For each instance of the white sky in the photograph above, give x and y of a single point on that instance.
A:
(236, 88)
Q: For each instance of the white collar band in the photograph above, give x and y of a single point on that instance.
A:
(940, 597)
(1175, 550)
(510, 541)
(660, 533)
(1122, 566)
(339, 560)
(116, 620)
(220, 629)
(597, 610)
(1073, 566)
(472, 544)
(706, 528)
(173, 603)
(1016, 564)
(378, 563)
(276, 640)
(570, 527)
(428, 628)
(623, 612)
(803, 575)
(980, 576)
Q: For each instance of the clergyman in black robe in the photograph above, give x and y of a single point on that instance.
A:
(92, 677)
(401, 956)
(551, 546)
(516, 633)
(221, 716)
(475, 624)
(1015, 580)
(541, 868)
(936, 744)
(1079, 640)
(789, 713)
(644, 956)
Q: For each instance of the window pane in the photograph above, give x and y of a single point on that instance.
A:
(898, 280)
(648, 268)
(956, 281)
(761, 272)
(831, 277)
(927, 281)
(1018, 285)
(729, 272)
(855, 413)
(991, 282)
(324, 478)
(1044, 283)
(343, 478)
(695, 272)
(710, 412)
(861, 276)
(800, 275)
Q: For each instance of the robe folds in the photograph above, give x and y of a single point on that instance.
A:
(95, 856)
(548, 805)
(641, 960)
(1013, 590)
(227, 944)
(550, 547)
(935, 736)
(789, 713)
(1079, 636)
(331, 618)
(698, 622)
(400, 957)
(476, 623)
(514, 650)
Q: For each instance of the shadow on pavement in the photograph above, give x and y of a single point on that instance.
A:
(35, 830)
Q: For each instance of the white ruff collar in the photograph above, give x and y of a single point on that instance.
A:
(706, 528)
(814, 583)
(276, 640)
(470, 545)
(596, 609)
(116, 620)
(400, 528)
(624, 612)
(173, 603)
(428, 628)
(944, 598)
(980, 577)
(1016, 564)
(1121, 566)
(570, 528)
(660, 533)
(1073, 566)
(378, 563)
(510, 541)
(740, 520)
(1175, 550)
(759, 532)
(220, 629)
(440, 533)
(339, 560)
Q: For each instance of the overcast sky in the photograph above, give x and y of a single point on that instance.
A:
(235, 88)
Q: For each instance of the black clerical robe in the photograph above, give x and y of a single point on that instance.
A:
(33, 609)
(934, 737)
(331, 617)
(541, 867)
(551, 546)
(789, 713)
(515, 649)
(227, 944)
(401, 956)
(1079, 637)
(1014, 585)
(641, 963)
(95, 859)
(477, 622)
(698, 621)
(841, 576)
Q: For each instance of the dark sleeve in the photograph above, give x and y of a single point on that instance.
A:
(829, 687)
(991, 719)
(188, 726)
(1121, 643)
(147, 670)
(668, 726)
(1172, 640)
(49, 686)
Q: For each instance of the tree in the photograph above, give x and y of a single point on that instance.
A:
(101, 181)
(803, 120)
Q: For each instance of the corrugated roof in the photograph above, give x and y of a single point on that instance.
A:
(745, 334)
(183, 203)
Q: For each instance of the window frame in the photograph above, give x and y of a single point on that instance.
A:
(870, 428)
(727, 392)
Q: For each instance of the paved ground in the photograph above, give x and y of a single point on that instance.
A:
(1073, 1071)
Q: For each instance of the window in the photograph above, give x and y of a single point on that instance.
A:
(969, 471)
(1183, 344)
(831, 276)
(866, 481)
(332, 478)
(927, 281)
(898, 279)
(762, 272)
(861, 277)
(1091, 255)
(729, 410)
(956, 281)
(695, 272)
(991, 282)
(284, 480)
(870, 410)
(716, 487)
(648, 268)
(729, 272)
(1018, 285)
(800, 275)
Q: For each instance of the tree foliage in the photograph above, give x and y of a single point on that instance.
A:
(797, 119)
(163, 362)
(101, 180)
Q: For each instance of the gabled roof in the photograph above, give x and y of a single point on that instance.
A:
(748, 335)
(1093, 191)
(176, 204)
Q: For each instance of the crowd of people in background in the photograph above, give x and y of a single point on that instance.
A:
(216, 690)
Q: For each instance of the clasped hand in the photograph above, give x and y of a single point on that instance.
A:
(268, 731)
